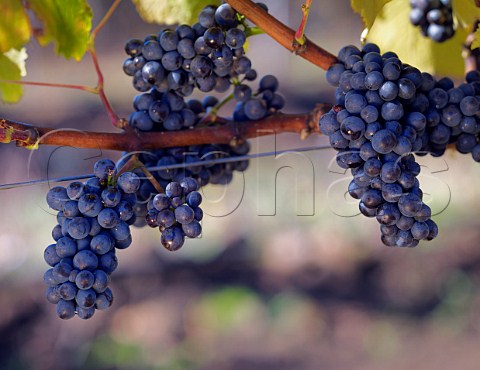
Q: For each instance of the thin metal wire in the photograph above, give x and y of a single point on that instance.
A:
(43, 181)
(169, 167)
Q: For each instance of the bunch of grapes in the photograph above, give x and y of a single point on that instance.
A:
(176, 213)
(93, 221)
(207, 55)
(375, 125)
(434, 17)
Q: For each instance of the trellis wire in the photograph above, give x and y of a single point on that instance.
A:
(168, 167)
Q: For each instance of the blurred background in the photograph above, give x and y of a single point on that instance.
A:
(285, 276)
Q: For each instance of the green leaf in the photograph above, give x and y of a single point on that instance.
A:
(171, 11)
(368, 10)
(9, 70)
(393, 31)
(14, 26)
(67, 23)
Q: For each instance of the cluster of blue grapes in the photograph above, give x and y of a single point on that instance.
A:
(206, 55)
(176, 213)
(376, 124)
(434, 17)
(218, 173)
(257, 105)
(93, 221)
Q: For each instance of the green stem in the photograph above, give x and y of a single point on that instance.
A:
(253, 31)
(212, 114)
(220, 104)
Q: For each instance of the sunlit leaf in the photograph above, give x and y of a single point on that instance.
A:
(369, 9)
(393, 31)
(67, 23)
(466, 12)
(9, 70)
(14, 26)
(171, 11)
(19, 57)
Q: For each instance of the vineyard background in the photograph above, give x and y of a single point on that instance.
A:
(255, 292)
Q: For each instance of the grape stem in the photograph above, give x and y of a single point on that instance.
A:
(283, 34)
(99, 88)
(32, 136)
(114, 119)
(104, 20)
(129, 166)
(211, 116)
(151, 178)
(133, 163)
(253, 31)
(300, 33)
(52, 84)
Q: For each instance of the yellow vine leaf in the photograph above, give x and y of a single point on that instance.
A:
(368, 10)
(466, 12)
(67, 23)
(393, 31)
(171, 11)
(14, 25)
(9, 70)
